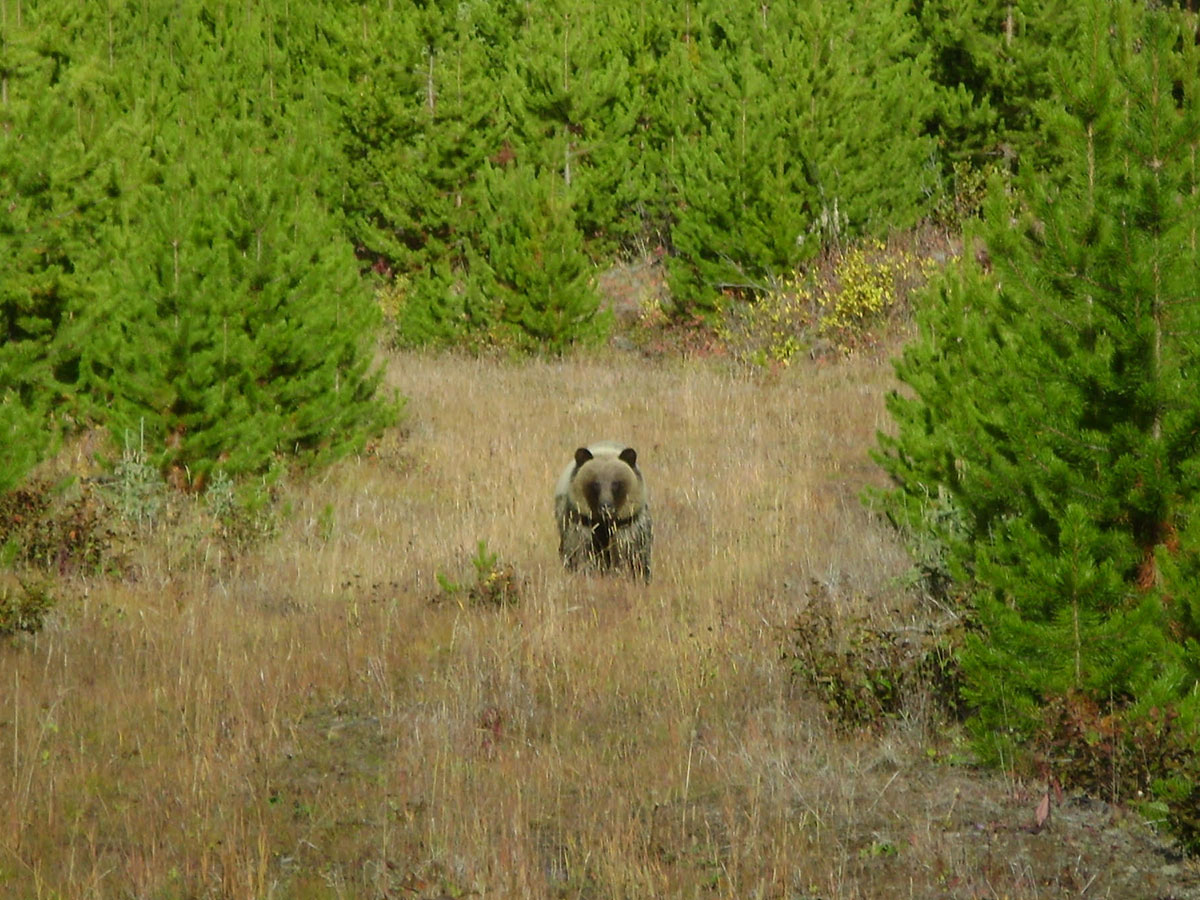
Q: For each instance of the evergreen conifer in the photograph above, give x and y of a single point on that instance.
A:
(576, 112)
(55, 181)
(231, 324)
(797, 137)
(419, 121)
(1049, 441)
(531, 262)
(993, 63)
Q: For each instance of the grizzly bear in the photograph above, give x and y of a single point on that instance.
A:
(603, 512)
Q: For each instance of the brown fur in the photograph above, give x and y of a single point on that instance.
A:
(603, 512)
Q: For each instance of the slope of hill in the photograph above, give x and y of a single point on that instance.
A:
(322, 716)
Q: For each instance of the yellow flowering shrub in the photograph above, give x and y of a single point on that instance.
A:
(837, 304)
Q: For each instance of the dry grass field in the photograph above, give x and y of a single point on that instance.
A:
(316, 716)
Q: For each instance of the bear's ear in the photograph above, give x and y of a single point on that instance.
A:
(582, 455)
(629, 457)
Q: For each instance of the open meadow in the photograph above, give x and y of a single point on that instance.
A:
(317, 714)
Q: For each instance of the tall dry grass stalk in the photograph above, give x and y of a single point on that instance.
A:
(317, 718)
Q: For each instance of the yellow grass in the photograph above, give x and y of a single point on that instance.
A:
(317, 718)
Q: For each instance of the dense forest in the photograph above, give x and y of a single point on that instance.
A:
(193, 192)
(199, 202)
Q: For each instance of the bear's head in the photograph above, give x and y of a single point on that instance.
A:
(607, 485)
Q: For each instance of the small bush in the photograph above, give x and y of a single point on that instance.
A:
(25, 438)
(657, 332)
(390, 297)
(928, 525)
(137, 490)
(962, 199)
(771, 330)
(839, 304)
(238, 513)
(244, 514)
(864, 674)
(24, 608)
(865, 288)
(1122, 754)
(65, 528)
(496, 583)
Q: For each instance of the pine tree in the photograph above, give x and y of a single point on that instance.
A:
(166, 256)
(231, 324)
(58, 162)
(992, 61)
(666, 63)
(55, 178)
(575, 110)
(526, 281)
(419, 121)
(1048, 444)
(745, 200)
(806, 127)
(531, 265)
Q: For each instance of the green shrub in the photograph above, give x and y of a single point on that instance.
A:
(245, 513)
(58, 527)
(839, 304)
(495, 583)
(25, 437)
(137, 490)
(864, 674)
(24, 608)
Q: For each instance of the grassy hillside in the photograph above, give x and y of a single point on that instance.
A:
(319, 717)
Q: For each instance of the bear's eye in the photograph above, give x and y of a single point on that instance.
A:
(618, 491)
